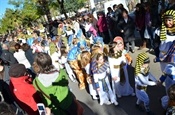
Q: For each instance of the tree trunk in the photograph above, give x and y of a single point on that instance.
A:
(61, 3)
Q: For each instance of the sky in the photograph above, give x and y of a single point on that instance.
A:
(3, 5)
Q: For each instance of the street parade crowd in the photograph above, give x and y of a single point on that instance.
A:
(94, 54)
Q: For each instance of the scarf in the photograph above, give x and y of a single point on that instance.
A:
(98, 70)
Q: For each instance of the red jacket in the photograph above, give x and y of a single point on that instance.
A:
(25, 94)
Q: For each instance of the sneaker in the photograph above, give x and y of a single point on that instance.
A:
(94, 97)
(108, 103)
(101, 103)
(115, 103)
(132, 51)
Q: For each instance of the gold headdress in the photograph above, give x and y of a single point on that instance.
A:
(141, 59)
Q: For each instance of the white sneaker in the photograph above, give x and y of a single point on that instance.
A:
(94, 97)
(115, 103)
(108, 103)
(101, 103)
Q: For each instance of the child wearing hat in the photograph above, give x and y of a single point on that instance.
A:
(142, 76)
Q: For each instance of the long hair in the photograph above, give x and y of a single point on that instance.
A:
(95, 51)
(43, 63)
(111, 49)
(85, 58)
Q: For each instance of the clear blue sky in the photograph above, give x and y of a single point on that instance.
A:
(3, 5)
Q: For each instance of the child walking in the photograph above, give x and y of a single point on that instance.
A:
(142, 76)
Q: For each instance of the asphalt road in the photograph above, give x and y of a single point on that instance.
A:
(126, 104)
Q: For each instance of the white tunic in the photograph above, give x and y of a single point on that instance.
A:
(102, 94)
(118, 88)
(92, 88)
(164, 47)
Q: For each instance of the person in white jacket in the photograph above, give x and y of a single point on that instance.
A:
(20, 56)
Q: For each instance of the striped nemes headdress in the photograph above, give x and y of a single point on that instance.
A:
(167, 14)
(142, 58)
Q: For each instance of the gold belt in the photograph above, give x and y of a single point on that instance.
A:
(141, 87)
(119, 66)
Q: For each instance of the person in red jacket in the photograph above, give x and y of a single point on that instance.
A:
(22, 89)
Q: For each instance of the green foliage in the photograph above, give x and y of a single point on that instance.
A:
(73, 5)
(27, 12)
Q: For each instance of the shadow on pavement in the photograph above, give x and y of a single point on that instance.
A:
(155, 93)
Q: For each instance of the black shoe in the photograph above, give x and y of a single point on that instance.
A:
(150, 113)
(139, 107)
(132, 51)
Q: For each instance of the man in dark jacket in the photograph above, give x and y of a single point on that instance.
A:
(116, 17)
(7, 56)
(126, 27)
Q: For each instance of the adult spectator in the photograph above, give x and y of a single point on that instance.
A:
(53, 85)
(110, 22)
(7, 56)
(140, 23)
(20, 56)
(22, 89)
(102, 27)
(116, 17)
(28, 53)
(127, 27)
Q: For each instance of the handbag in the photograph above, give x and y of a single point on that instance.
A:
(146, 34)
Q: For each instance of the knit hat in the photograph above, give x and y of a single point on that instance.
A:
(142, 58)
(167, 14)
(17, 70)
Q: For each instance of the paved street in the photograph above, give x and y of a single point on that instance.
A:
(126, 104)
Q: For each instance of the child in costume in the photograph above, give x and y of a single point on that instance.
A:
(100, 72)
(73, 58)
(118, 67)
(169, 78)
(171, 101)
(142, 76)
(85, 64)
(64, 64)
(165, 37)
(128, 57)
